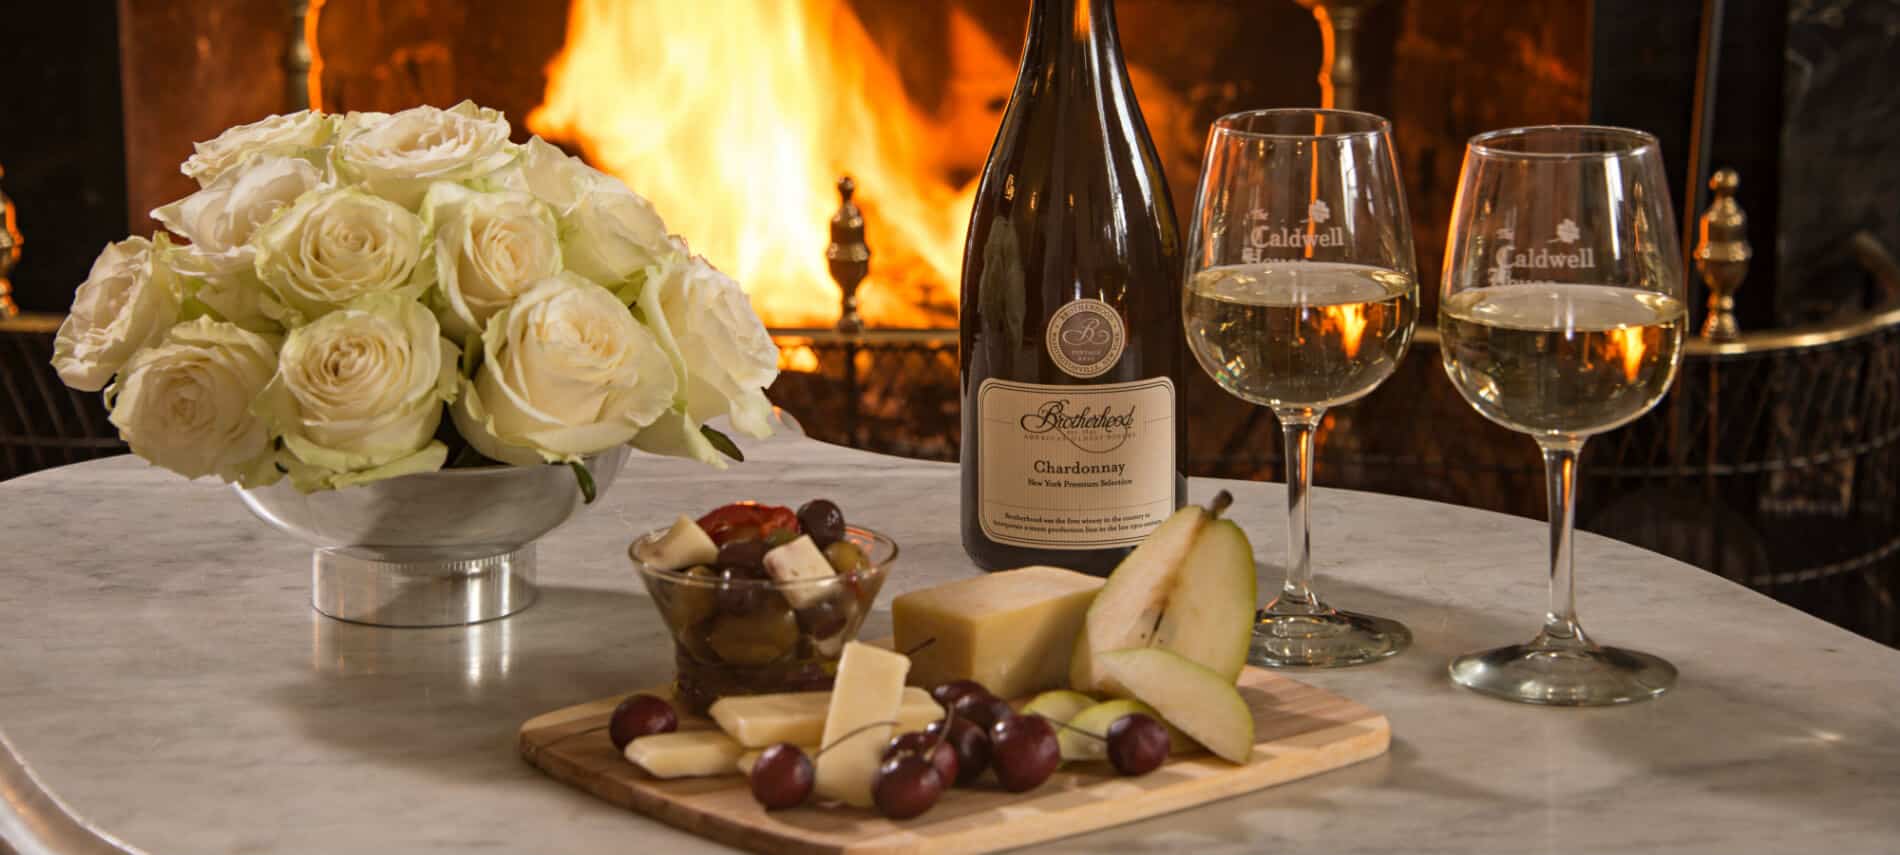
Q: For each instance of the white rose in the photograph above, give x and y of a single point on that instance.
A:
(725, 355)
(335, 245)
(489, 247)
(223, 287)
(221, 218)
(611, 233)
(566, 371)
(186, 403)
(127, 302)
(398, 156)
(543, 171)
(289, 134)
(359, 392)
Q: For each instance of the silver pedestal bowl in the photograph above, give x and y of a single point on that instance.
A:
(436, 549)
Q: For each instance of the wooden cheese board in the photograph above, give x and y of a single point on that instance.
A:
(1299, 730)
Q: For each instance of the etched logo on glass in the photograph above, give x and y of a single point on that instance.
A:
(1266, 241)
(1559, 252)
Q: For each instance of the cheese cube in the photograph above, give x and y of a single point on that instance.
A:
(800, 561)
(869, 687)
(1012, 631)
(799, 717)
(685, 754)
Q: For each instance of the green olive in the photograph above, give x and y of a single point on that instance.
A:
(759, 638)
(781, 537)
(694, 599)
(846, 557)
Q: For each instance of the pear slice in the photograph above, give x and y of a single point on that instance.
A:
(1083, 738)
(1189, 695)
(683, 545)
(1189, 587)
(1058, 705)
(1132, 603)
(1209, 616)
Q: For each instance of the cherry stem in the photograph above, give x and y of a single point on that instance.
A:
(921, 645)
(854, 732)
(1067, 726)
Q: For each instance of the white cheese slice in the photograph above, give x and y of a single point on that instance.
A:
(869, 687)
(685, 754)
(799, 717)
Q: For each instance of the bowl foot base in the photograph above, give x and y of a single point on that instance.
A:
(398, 592)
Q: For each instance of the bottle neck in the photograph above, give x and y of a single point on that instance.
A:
(1073, 32)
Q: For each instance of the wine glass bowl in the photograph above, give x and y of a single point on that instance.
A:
(1562, 316)
(1302, 295)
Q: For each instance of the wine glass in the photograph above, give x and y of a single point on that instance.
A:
(1301, 295)
(1562, 316)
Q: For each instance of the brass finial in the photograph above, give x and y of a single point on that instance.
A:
(848, 256)
(9, 253)
(297, 58)
(1722, 254)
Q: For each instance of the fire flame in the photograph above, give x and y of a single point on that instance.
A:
(737, 118)
(1627, 344)
(1350, 321)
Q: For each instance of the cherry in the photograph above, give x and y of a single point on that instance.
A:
(1137, 744)
(640, 715)
(947, 694)
(971, 743)
(905, 786)
(923, 743)
(1026, 752)
(782, 777)
(984, 709)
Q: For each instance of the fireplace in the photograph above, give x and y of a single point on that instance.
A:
(740, 117)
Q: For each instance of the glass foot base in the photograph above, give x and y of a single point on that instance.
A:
(1324, 639)
(1572, 676)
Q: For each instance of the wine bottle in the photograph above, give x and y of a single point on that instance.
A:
(1071, 346)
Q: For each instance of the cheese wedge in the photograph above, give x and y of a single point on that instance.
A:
(869, 687)
(1014, 631)
(685, 754)
(799, 717)
(800, 561)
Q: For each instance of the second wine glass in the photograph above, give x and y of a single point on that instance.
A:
(1301, 295)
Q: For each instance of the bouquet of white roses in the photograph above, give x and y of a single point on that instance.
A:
(340, 282)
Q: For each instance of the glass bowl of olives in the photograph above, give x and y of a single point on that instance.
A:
(759, 598)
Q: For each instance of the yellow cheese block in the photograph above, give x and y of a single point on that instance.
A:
(869, 687)
(1012, 631)
(799, 717)
(685, 754)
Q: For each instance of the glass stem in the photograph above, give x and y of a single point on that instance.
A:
(1561, 628)
(1296, 429)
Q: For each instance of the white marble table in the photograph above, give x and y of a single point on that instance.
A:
(162, 674)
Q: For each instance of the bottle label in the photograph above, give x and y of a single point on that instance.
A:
(1085, 338)
(1075, 467)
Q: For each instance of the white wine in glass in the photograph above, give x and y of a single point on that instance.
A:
(1561, 359)
(1304, 334)
(1301, 296)
(1561, 317)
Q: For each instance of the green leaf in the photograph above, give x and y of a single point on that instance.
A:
(585, 479)
(722, 442)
